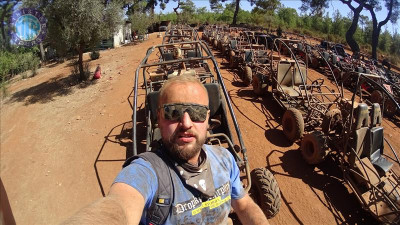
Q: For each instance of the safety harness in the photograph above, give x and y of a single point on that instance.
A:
(161, 205)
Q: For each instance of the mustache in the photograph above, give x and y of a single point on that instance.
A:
(181, 132)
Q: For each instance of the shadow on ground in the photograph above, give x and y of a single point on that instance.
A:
(46, 92)
(326, 177)
(121, 135)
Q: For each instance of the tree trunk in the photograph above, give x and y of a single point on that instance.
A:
(375, 39)
(80, 63)
(42, 54)
(355, 48)
(236, 12)
(4, 44)
(376, 28)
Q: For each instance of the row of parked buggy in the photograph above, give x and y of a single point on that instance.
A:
(317, 114)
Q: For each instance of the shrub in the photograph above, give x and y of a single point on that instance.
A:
(15, 63)
(94, 55)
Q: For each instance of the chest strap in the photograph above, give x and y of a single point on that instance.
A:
(160, 207)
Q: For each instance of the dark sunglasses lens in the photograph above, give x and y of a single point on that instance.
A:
(175, 112)
(197, 113)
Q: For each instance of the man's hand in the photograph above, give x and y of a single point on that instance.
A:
(248, 211)
(123, 205)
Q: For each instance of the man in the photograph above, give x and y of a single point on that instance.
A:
(207, 184)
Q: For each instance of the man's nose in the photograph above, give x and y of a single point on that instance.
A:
(186, 121)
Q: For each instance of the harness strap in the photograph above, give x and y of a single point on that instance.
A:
(160, 207)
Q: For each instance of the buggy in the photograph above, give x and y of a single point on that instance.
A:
(353, 133)
(221, 114)
(304, 100)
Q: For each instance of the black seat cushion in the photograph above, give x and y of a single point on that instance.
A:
(214, 97)
(152, 99)
(376, 150)
(168, 56)
(248, 55)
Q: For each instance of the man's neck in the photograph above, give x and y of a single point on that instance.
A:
(195, 160)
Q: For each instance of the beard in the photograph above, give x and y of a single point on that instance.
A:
(185, 152)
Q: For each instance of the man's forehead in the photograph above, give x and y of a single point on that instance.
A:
(185, 92)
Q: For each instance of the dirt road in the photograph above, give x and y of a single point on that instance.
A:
(59, 137)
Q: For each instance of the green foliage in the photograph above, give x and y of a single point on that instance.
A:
(395, 46)
(287, 16)
(384, 41)
(265, 6)
(76, 25)
(94, 55)
(188, 10)
(14, 63)
(140, 18)
(73, 23)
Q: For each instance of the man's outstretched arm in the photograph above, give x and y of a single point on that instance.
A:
(248, 211)
(123, 205)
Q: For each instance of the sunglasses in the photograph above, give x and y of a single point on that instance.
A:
(175, 111)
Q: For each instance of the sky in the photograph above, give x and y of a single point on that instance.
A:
(333, 6)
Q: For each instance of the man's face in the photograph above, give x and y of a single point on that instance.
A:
(183, 137)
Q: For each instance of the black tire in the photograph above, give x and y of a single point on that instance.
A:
(293, 124)
(258, 87)
(331, 120)
(376, 96)
(223, 50)
(390, 107)
(220, 45)
(266, 191)
(248, 75)
(232, 59)
(338, 74)
(315, 63)
(215, 43)
(313, 147)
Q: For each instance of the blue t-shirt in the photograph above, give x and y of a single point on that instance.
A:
(187, 207)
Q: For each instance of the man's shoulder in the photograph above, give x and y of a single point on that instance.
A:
(219, 153)
(216, 149)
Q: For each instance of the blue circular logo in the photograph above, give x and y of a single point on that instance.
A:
(29, 27)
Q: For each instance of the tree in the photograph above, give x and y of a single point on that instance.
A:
(265, 6)
(316, 6)
(81, 24)
(353, 27)
(393, 7)
(188, 11)
(395, 46)
(5, 13)
(216, 6)
(288, 16)
(373, 6)
(139, 18)
(385, 41)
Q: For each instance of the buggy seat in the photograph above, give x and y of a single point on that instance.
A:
(368, 144)
(289, 77)
(376, 139)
